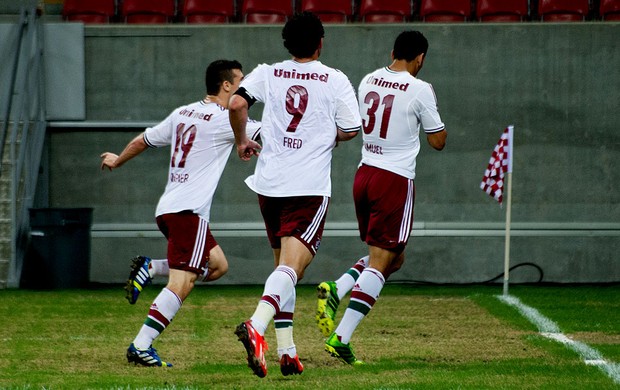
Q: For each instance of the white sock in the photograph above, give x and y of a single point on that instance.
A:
(279, 288)
(162, 311)
(346, 282)
(159, 267)
(363, 298)
(283, 322)
(262, 316)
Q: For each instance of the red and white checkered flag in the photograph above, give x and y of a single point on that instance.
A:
(499, 164)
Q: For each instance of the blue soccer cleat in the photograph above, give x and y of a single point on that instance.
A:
(138, 278)
(147, 357)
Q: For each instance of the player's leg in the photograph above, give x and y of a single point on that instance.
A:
(159, 267)
(280, 285)
(251, 332)
(363, 298)
(144, 269)
(294, 227)
(345, 283)
(287, 352)
(278, 303)
(384, 207)
(217, 266)
(330, 294)
(186, 233)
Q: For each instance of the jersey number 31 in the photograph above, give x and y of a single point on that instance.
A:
(373, 100)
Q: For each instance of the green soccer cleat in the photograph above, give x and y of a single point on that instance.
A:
(327, 304)
(342, 351)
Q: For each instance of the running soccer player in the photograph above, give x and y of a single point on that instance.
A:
(308, 107)
(393, 104)
(201, 140)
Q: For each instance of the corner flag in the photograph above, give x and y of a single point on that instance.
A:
(499, 164)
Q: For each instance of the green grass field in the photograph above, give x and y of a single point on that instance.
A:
(416, 337)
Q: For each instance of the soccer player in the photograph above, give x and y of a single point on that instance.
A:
(308, 108)
(201, 140)
(393, 104)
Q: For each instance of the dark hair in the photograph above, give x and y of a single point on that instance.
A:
(302, 34)
(409, 45)
(219, 71)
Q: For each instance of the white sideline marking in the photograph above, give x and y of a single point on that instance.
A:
(549, 329)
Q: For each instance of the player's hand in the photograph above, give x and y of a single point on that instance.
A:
(108, 160)
(247, 150)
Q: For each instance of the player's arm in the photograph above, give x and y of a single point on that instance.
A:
(434, 128)
(238, 107)
(438, 139)
(348, 119)
(134, 147)
(343, 135)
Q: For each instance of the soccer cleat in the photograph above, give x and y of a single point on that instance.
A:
(138, 278)
(147, 357)
(342, 351)
(328, 303)
(290, 365)
(255, 346)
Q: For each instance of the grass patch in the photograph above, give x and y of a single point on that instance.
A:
(416, 337)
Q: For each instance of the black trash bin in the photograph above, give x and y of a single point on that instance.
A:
(59, 252)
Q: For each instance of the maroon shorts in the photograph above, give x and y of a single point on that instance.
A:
(189, 241)
(302, 217)
(384, 207)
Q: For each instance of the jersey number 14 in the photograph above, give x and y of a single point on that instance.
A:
(184, 141)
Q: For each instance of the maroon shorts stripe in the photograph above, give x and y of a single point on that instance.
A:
(199, 244)
(406, 223)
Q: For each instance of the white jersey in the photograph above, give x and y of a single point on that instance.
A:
(393, 105)
(304, 103)
(201, 140)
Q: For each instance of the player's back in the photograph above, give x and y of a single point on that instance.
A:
(200, 140)
(393, 105)
(303, 105)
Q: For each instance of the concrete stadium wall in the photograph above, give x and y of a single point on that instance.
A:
(557, 83)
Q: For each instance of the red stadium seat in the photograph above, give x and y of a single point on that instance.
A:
(88, 11)
(610, 10)
(330, 11)
(208, 11)
(266, 11)
(382, 11)
(147, 11)
(563, 10)
(445, 10)
(501, 10)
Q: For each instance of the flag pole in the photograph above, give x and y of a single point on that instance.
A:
(497, 180)
(507, 239)
(508, 208)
